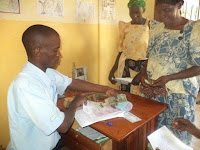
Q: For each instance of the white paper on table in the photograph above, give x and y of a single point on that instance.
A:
(85, 119)
(164, 139)
(131, 117)
(123, 80)
(96, 111)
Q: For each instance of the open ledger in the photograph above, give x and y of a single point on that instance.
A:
(164, 139)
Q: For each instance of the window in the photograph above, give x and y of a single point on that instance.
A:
(190, 9)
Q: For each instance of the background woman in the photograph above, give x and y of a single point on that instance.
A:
(133, 43)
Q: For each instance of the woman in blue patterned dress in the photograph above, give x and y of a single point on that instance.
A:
(173, 61)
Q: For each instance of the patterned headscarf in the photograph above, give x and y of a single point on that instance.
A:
(137, 3)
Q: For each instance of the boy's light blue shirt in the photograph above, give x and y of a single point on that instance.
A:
(32, 112)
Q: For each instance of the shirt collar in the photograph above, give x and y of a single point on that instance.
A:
(38, 73)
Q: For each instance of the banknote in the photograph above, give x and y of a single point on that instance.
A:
(68, 100)
(96, 97)
(113, 101)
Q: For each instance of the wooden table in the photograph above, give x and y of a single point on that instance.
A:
(133, 136)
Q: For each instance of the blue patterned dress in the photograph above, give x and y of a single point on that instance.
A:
(169, 52)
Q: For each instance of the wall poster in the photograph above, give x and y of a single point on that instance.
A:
(108, 9)
(52, 8)
(10, 6)
(85, 10)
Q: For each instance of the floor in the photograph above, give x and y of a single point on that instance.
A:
(195, 141)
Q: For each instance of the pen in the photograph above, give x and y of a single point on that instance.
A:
(109, 123)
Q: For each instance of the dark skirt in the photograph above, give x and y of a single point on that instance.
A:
(133, 65)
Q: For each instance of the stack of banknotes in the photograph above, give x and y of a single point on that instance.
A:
(96, 97)
(114, 101)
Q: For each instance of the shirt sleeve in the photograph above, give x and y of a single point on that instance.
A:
(62, 81)
(194, 49)
(121, 35)
(38, 107)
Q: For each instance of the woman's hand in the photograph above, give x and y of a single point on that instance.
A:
(111, 77)
(161, 81)
(182, 124)
(136, 80)
(144, 77)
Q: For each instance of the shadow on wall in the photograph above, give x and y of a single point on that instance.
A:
(1, 148)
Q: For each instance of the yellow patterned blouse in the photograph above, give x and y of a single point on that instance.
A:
(133, 40)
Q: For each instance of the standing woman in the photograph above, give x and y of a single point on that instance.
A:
(133, 43)
(173, 61)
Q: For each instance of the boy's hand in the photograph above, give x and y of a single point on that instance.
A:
(80, 99)
(111, 92)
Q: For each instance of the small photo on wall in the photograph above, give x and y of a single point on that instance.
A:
(10, 6)
(81, 73)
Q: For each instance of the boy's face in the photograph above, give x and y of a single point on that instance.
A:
(50, 52)
(136, 14)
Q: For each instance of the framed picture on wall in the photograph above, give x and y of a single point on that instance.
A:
(81, 73)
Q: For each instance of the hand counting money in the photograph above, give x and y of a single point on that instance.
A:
(113, 101)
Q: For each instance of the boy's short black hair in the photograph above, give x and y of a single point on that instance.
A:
(30, 37)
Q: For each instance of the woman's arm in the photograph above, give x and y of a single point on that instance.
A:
(182, 124)
(114, 68)
(188, 73)
(121, 42)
